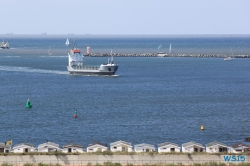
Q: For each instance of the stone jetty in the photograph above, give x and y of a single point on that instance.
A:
(165, 55)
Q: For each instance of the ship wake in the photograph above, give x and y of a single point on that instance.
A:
(30, 70)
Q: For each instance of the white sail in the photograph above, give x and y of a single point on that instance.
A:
(49, 53)
(229, 58)
(67, 42)
(170, 49)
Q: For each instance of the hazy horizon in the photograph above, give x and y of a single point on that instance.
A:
(123, 35)
(125, 17)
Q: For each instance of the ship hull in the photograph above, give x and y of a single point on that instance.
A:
(93, 72)
(77, 66)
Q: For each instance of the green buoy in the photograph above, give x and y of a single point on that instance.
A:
(28, 104)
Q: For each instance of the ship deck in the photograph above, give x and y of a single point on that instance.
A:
(85, 67)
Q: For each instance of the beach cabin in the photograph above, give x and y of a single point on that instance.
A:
(168, 147)
(23, 148)
(121, 146)
(239, 148)
(48, 147)
(4, 148)
(144, 148)
(72, 148)
(191, 147)
(216, 147)
(97, 146)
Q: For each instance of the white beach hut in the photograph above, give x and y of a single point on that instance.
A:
(216, 147)
(120, 146)
(4, 148)
(23, 148)
(191, 147)
(72, 148)
(168, 147)
(48, 147)
(144, 148)
(97, 146)
(239, 148)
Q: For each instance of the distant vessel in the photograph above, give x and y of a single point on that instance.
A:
(160, 54)
(170, 49)
(67, 42)
(229, 58)
(4, 45)
(77, 66)
(49, 53)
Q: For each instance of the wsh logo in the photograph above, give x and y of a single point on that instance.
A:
(234, 158)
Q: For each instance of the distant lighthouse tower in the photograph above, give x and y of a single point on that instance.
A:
(88, 50)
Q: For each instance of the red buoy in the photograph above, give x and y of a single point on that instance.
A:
(75, 114)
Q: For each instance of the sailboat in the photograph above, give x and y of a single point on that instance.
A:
(49, 53)
(67, 42)
(170, 49)
(229, 58)
(160, 54)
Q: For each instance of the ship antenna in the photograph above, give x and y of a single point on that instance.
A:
(74, 46)
(111, 57)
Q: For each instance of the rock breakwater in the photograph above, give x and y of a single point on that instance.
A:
(166, 55)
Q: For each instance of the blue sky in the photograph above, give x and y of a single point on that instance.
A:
(125, 17)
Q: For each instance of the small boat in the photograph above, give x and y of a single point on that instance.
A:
(77, 65)
(229, 58)
(49, 52)
(67, 42)
(4, 45)
(160, 54)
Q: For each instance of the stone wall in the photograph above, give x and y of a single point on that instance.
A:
(123, 159)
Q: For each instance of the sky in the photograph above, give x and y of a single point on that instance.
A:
(125, 17)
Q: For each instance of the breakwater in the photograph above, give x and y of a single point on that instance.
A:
(165, 55)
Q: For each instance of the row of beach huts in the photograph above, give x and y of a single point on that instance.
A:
(122, 146)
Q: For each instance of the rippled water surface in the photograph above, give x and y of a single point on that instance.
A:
(150, 100)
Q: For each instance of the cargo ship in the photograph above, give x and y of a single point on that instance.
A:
(77, 65)
(4, 45)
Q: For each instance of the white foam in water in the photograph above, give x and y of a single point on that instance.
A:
(51, 56)
(12, 56)
(27, 69)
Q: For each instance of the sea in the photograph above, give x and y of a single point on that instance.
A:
(149, 100)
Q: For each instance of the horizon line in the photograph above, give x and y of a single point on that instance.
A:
(88, 34)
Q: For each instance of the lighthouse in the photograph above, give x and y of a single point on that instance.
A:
(88, 50)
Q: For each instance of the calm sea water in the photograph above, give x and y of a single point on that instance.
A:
(150, 100)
